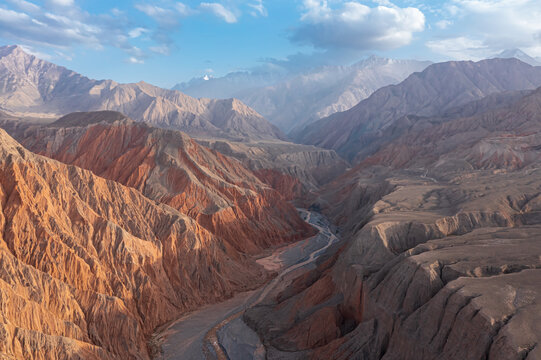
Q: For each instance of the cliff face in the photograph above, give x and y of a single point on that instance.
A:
(437, 269)
(283, 164)
(444, 253)
(168, 166)
(90, 267)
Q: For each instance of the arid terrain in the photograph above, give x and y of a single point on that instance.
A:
(141, 223)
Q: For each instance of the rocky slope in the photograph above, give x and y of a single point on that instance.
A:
(505, 137)
(437, 269)
(90, 267)
(444, 255)
(294, 169)
(296, 100)
(432, 92)
(169, 167)
(34, 87)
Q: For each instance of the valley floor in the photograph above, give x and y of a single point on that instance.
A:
(217, 331)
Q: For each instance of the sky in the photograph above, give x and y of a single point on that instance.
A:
(165, 42)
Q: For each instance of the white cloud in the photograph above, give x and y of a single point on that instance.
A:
(463, 48)
(166, 17)
(383, 2)
(12, 17)
(36, 53)
(258, 8)
(443, 24)
(220, 11)
(62, 2)
(135, 33)
(117, 12)
(184, 9)
(161, 49)
(25, 6)
(63, 55)
(47, 28)
(356, 26)
(489, 27)
(134, 60)
(62, 28)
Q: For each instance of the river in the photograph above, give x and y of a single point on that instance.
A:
(217, 331)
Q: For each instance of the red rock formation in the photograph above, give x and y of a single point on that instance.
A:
(168, 166)
(288, 186)
(90, 267)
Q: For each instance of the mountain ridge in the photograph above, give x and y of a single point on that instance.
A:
(170, 167)
(32, 86)
(291, 101)
(92, 267)
(437, 89)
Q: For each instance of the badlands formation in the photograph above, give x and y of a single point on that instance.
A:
(444, 251)
(90, 267)
(115, 225)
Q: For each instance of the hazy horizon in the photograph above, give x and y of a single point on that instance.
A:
(167, 42)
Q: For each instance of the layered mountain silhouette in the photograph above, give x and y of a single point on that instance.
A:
(291, 101)
(432, 92)
(166, 227)
(33, 87)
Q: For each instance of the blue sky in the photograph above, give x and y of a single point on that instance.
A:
(165, 41)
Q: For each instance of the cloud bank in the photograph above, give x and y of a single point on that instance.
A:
(476, 29)
(352, 25)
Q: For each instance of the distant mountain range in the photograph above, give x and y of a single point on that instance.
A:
(33, 87)
(521, 55)
(295, 100)
(498, 137)
(441, 87)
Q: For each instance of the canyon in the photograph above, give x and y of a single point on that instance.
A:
(406, 227)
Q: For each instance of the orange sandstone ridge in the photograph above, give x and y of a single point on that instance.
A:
(91, 267)
(167, 166)
(96, 266)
